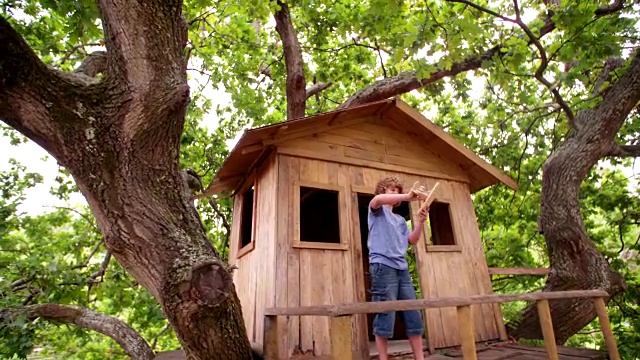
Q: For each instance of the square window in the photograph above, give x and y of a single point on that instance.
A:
(319, 215)
(440, 224)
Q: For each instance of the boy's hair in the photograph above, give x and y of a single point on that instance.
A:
(388, 182)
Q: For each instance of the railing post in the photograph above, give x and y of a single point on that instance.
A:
(609, 339)
(467, 333)
(340, 329)
(547, 329)
(271, 341)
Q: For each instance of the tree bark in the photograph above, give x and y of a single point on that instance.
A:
(296, 92)
(575, 261)
(119, 138)
(132, 343)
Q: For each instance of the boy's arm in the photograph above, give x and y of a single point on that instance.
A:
(387, 199)
(414, 236)
(416, 193)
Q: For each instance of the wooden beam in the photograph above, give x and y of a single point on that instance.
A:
(467, 333)
(497, 310)
(340, 330)
(544, 313)
(520, 271)
(453, 301)
(271, 341)
(610, 340)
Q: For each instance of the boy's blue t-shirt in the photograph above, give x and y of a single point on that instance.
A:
(388, 238)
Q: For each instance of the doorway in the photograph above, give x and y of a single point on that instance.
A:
(363, 214)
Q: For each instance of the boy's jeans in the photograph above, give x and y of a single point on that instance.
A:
(388, 283)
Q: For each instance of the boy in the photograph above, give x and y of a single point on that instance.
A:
(388, 240)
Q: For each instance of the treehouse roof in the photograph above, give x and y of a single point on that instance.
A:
(256, 144)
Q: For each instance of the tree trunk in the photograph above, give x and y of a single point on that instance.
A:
(296, 92)
(575, 261)
(119, 137)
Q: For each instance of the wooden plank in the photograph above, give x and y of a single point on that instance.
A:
(306, 300)
(467, 333)
(282, 254)
(345, 140)
(423, 278)
(567, 351)
(547, 329)
(452, 301)
(610, 340)
(293, 261)
(360, 321)
(328, 155)
(322, 294)
(271, 342)
(444, 248)
(519, 271)
(341, 338)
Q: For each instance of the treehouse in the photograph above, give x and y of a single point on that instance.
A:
(299, 234)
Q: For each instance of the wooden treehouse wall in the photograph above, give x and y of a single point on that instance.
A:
(254, 277)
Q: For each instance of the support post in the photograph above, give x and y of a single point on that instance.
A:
(544, 313)
(610, 340)
(497, 310)
(340, 329)
(467, 333)
(271, 341)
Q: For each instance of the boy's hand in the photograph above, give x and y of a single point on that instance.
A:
(423, 214)
(417, 192)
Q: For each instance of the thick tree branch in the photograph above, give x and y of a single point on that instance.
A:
(624, 151)
(132, 343)
(35, 99)
(408, 81)
(316, 89)
(296, 95)
(94, 64)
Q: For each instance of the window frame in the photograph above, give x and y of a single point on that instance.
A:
(430, 246)
(342, 211)
(243, 250)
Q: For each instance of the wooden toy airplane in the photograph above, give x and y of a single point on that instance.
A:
(431, 195)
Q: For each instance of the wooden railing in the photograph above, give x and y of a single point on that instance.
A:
(340, 319)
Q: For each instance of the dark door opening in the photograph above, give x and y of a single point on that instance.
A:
(363, 207)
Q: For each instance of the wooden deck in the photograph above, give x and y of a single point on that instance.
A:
(400, 350)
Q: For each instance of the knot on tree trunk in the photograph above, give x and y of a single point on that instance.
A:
(207, 284)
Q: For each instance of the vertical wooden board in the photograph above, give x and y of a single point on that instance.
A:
(356, 176)
(441, 262)
(423, 273)
(321, 294)
(281, 255)
(322, 171)
(333, 172)
(371, 177)
(359, 322)
(265, 291)
(246, 291)
(293, 264)
(306, 299)
(309, 170)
